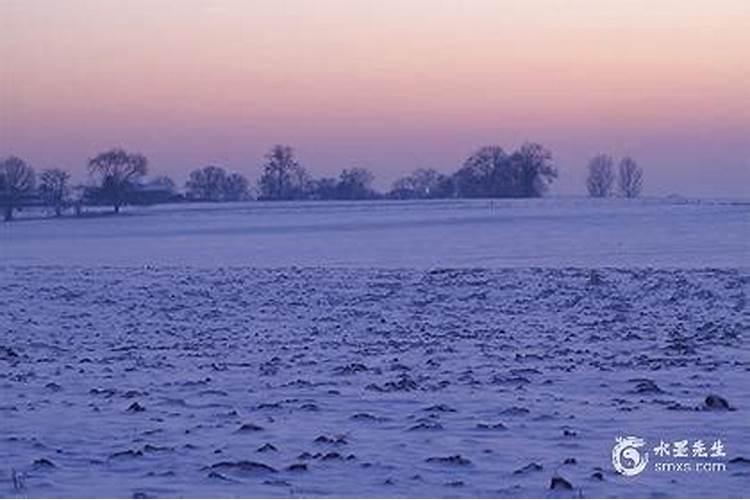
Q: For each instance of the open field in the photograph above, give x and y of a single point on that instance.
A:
(454, 233)
(439, 349)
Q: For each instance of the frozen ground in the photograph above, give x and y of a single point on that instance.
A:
(239, 375)
(455, 233)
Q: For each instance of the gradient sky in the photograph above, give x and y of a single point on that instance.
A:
(388, 85)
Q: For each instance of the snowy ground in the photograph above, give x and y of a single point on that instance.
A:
(422, 376)
(454, 233)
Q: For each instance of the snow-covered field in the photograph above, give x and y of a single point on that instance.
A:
(374, 349)
(454, 233)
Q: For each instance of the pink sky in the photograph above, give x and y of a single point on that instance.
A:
(389, 85)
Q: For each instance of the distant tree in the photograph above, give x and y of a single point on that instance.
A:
(422, 183)
(531, 166)
(445, 187)
(302, 183)
(236, 188)
(601, 176)
(215, 184)
(207, 184)
(16, 181)
(283, 178)
(403, 188)
(492, 173)
(485, 174)
(325, 188)
(355, 184)
(119, 173)
(53, 189)
(426, 182)
(630, 178)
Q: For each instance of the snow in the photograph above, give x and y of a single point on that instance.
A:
(395, 349)
(455, 233)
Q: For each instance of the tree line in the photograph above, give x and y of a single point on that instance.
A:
(118, 178)
(601, 179)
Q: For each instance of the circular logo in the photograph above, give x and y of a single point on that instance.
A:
(627, 458)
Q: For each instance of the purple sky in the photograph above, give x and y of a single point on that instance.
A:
(390, 87)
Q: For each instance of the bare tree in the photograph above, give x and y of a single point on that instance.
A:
(601, 176)
(355, 184)
(283, 178)
(485, 174)
(236, 188)
(532, 169)
(53, 188)
(207, 183)
(630, 178)
(325, 188)
(426, 182)
(16, 181)
(215, 184)
(492, 173)
(422, 183)
(119, 172)
(404, 188)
